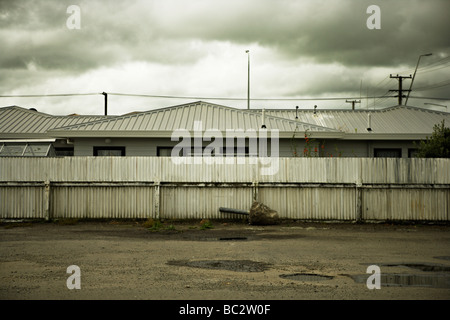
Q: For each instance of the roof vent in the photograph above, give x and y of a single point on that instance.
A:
(33, 109)
(263, 125)
(369, 122)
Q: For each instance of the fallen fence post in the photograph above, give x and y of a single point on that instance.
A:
(236, 211)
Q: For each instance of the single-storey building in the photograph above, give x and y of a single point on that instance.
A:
(212, 129)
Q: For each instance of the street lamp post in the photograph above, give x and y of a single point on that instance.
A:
(412, 80)
(248, 80)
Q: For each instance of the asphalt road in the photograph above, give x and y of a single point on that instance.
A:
(224, 261)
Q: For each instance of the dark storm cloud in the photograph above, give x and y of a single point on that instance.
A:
(328, 31)
(311, 47)
(117, 31)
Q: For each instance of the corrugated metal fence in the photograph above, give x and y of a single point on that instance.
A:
(156, 187)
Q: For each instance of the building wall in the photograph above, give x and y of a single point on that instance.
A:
(133, 147)
(136, 146)
(287, 147)
(332, 147)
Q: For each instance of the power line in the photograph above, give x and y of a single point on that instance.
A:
(237, 99)
(47, 95)
(436, 68)
(431, 98)
(434, 86)
(181, 97)
(379, 98)
(432, 66)
(436, 63)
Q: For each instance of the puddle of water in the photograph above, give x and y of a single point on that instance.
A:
(230, 265)
(409, 280)
(421, 266)
(305, 277)
(443, 257)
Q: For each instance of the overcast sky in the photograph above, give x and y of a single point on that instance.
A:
(299, 49)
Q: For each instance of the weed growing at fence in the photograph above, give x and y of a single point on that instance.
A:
(157, 225)
(206, 224)
(153, 225)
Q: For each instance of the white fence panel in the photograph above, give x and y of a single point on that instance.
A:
(299, 188)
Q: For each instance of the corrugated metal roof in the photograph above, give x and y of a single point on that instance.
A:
(17, 122)
(163, 122)
(398, 120)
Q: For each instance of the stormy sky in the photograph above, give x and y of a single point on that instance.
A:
(157, 53)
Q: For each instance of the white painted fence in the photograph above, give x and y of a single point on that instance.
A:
(155, 187)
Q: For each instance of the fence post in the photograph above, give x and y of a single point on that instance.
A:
(359, 215)
(359, 189)
(156, 198)
(255, 190)
(47, 200)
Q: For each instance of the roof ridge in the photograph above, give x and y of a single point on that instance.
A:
(193, 104)
(30, 110)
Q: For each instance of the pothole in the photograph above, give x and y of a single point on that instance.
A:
(233, 238)
(305, 277)
(230, 265)
(408, 280)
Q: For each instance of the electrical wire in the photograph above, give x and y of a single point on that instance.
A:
(433, 86)
(183, 97)
(47, 95)
(431, 98)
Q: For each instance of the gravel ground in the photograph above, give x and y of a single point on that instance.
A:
(223, 260)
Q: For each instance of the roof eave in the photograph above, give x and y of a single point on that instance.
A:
(168, 134)
(28, 136)
(386, 136)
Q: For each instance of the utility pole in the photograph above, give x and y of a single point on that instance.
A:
(400, 87)
(106, 102)
(248, 79)
(353, 103)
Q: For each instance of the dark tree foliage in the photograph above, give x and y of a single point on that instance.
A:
(438, 145)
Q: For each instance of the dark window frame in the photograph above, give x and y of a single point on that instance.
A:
(69, 150)
(158, 150)
(97, 149)
(191, 153)
(379, 150)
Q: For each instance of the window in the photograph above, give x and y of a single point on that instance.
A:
(109, 151)
(238, 152)
(164, 151)
(388, 153)
(205, 151)
(25, 149)
(64, 152)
